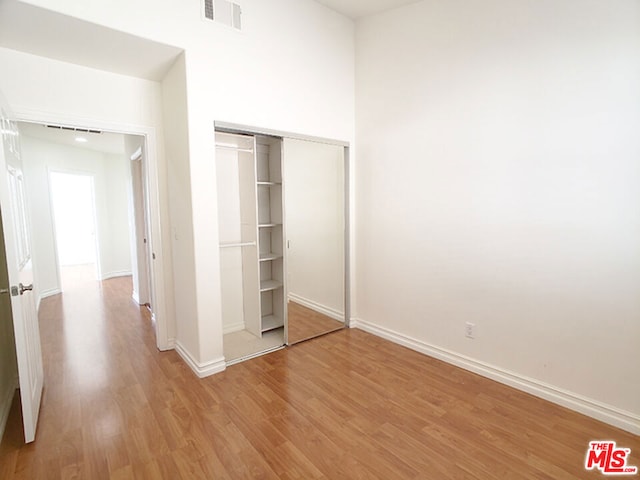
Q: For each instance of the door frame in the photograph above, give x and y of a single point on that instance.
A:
(228, 127)
(140, 226)
(164, 341)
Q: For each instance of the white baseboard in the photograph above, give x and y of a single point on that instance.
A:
(136, 297)
(592, 408)
(329, 312)
(233, 327)
(47, 293)
(200, 369)
(5, 406)
(169, 345)
(121, 273)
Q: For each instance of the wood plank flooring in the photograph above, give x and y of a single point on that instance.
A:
(343, 406)
(304, 323)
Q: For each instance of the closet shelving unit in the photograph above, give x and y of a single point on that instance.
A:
(270, 232)
(238, 233)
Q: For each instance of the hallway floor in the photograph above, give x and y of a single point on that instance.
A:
(343, 406)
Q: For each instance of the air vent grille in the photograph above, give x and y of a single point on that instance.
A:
(74, 129)
(208, 9)
(224, 12)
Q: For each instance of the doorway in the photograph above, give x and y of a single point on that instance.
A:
(74, 224)
(89, 204)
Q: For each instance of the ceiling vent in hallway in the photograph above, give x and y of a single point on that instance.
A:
(74, 129)
(222, 11)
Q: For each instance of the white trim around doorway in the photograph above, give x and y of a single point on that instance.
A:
(160, 318)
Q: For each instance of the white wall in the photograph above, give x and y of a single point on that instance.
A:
(314, 208)
(261, 78)
(110, 176)
(291, 68)
(174, 96)
(117, 190)
(499, 183)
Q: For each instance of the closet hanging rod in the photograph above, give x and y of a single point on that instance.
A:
(240, 244)
(233, 147)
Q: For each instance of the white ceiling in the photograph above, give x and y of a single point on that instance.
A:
(105, 142)
(362, 8)
(48, 34)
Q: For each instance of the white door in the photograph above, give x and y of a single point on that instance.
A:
(18, 252)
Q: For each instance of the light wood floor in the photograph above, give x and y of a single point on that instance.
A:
(304, 323)
(344, 406)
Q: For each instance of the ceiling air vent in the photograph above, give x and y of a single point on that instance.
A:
(74, 129)
(222, 11)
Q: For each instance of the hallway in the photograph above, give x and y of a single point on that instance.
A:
(345, 405)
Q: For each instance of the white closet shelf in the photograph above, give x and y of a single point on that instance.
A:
(265, 257)
(234, 147)
(267, 285)
(238, 244)
(268, 225)
(271, 322)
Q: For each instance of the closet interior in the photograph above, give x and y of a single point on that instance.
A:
(250, 221)
(282, 263)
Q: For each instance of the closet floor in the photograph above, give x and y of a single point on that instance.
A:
(243, 344)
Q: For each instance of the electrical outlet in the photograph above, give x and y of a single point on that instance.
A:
(470, 330)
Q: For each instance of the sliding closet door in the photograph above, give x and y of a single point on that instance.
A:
(314, 187)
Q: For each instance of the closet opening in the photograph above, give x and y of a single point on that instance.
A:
(283, 227)
(249, 177)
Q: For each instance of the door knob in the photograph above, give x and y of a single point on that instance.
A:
(24, 288)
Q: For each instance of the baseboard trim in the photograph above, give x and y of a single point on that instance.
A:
(202, 370)
(47, 293)
(329, 312)
(5, 407)
(50, 293)
(136, 297)
(234, 327)
(169, 345)
(592, 408)
(121, 273)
